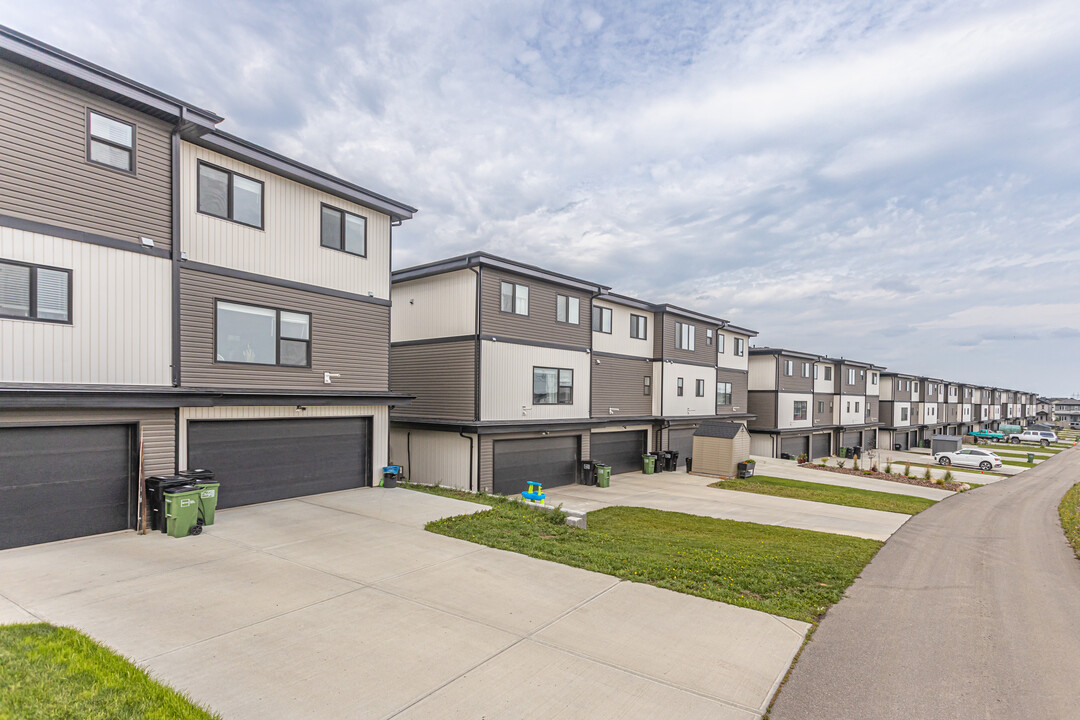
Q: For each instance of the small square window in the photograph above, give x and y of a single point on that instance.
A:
(110, 142)
(638, 327)
(513, 298)
(341, 230)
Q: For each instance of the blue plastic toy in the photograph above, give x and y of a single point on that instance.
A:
(535, 492)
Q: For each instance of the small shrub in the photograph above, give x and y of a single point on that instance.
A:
(888, 468)
(802, 458)
(949, 476)
(824, 462)
(907, 469)
(557, 516)
(840, 464)
(928, 475)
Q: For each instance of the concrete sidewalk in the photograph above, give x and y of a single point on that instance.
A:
(342, 606)
(691, 494)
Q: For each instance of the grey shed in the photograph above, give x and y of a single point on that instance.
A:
(946, 443)
(719, 447)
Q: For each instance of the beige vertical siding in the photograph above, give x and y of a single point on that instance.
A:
(157, 428)
(379, 424)
(618, 387)
(851, 417)
(689, 404)
(433, 307)
(47, 178)
(728, 358)
(761, 444)
(288, 245)
(720, 456)
(762, 374)
(442, 376)
(618, 341)
(433, 457)
(540, 323)
(506, 372)
(120, 330)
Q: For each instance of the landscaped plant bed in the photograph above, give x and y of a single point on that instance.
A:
(954, 486)
(1069, 511)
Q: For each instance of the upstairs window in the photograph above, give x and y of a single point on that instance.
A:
(699, 388)
(828, 372)
(789, 368)
(601, 319)
(815, 371)
(851, 376)
(110, 142)
(873, 378)
(708, 336)
(344, 231)
(638, 327)
(684, 336)
(34, 292)
(553, 386)
(868, 411)
(567, 309)
(257, 335)
(514, 298)
(903, 414)
(227, 195)
(740, 347)
(799, 411)
(720, 342)
(679, 387)
(916, 386)
(821, 406)
(647, 386)
(723, 392)
(856, 406)
(806, 369)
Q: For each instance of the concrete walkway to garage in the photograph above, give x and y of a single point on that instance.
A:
(681, 492)
(342, 606)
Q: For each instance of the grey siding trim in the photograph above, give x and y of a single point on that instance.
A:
(48, 179)
(439, 375)
(347, 337)
(433, 341)
(79, 236)
(762, 403)
(638, 358)
(739, 381)
(279, 282)
(540, 324)
(703, 353)
(619, 383)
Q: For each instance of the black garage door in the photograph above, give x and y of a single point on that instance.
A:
(683, 442)
(869, 440)
(901, 439)
(851, 438)
(552, 461)
(263, 460)
(794, 446)
(821, 445)
(64, 482)
(621, 450)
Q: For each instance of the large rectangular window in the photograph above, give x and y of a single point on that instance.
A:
(553, 386)
(340, 230)
(903, 414)
(601, 319)
(684, 336)
(35, 292)
(723, 392)
(513, 298)
(638, 327)
(110, 142)
(230, 196)
(720, 342)
(851, 376)
(800, 410)
(568, 309)
(258, 335)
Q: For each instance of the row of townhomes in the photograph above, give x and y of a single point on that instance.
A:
(174, 297)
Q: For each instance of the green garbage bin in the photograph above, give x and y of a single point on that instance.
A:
(1031, 457)
(648, 464)
(182, 510)
(208, 494)
(603, 475)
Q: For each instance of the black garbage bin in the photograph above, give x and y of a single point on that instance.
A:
(661, 461)
(588, 472)
(391, 474)
(155, 498)
(856, 452)
(197, 474)
(673, 460)
(689, 464)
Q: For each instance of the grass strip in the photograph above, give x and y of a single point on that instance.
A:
(1069, 511)
(832, 494)
(1018, 463)
(1022, 448)
(56, 672)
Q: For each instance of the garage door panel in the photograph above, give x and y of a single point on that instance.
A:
(621, 450)
(821, 445)
(550, 461)
(794, 446)
(683, 442)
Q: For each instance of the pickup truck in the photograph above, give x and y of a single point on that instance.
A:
(1042, 437)
(986, 435)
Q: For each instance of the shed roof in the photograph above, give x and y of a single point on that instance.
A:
(718, 429)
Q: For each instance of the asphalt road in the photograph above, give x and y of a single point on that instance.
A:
(971, 611)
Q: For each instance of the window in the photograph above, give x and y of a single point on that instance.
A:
(862, 374)
(679, 387)
(699, 388)
(806, 370)
(568, 309)
(873, 378)
(899, 384)
(720, 342)
(723, 392)
(868, 410)
(684, 336)
(908, 388)
(708, 336)
(262, 336)
(553, 386)
(815, 371)
(740, 346)
(821, 406)
(851, 376)
(800, 410)
(903, 414)
(638, 327)
(342, 230)
(35, 292)
(601, 319)
(224, 194)
(856, 406)
(916, 386)
(789, 368)
(828, 372)
(647, 386)
(847, 406)
(110, 142)
(513, 298)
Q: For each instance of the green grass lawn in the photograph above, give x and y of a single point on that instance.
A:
(1069, 510)
(1024, 448)
(833, 494)
(1018, 463)
(1007, 454)
(54, 672)
(789, 572)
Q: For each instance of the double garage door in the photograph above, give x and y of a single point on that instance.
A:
(551, 461)
(621, 450)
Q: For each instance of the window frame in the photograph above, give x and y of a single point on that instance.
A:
(806, 370)
(514, 298)
(699, 388)
(720, 342)
(740, 347)
(343, 213)
(32, 289)
(690, 332)
(725, 394)
(598, 311)
(639, 324)
(679, 387)
(277, 340)
(820, 406)
(795, 410)
(558, 384)
(89, 138)
(828, 373)
(789, 368)
(851, 376)
(647, 386)
(566, 301)
(709, 337)
(229, 202)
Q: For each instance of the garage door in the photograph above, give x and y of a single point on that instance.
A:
(683, 442)
(821, 445)
(794, 446)
(913, 438)
(64, 482)
(551, 461)
(901, 439)
(869, 440)
(851, 438)
(621, 450)
(263, 460)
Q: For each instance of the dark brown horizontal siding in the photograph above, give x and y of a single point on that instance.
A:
(47, 177)
(738, 382)
(348, 337)
(540, 323)
(859, 388)
(702, 352)
(825, 417)
(442, 376)
(762, 403)
(620, 383)
(795, 382)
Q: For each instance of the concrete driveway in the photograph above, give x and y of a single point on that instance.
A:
(342, 606)
(681, 492)
(790, 470)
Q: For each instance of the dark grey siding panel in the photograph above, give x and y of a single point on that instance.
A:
(540, 323)
(825, 417)
(885, 410)
(47, 177)
(859, 388)
(738, 382)
(702, 352)
(348, 337)
(821, 445)
(620, 383)
(763, 404)
(442, 376)
(874, 406)
(660, 334)
(795, 382)
(681, 441)
(795, 446)
(621, 450)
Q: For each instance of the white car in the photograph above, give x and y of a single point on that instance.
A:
(1042, 437)
(968, 457)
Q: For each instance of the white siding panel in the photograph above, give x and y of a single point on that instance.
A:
(438, 306)
(121, 328)
(761, 445)
(786, 417)
(288, 246)
(762, 375)
(507, 372)
(689, 404)
(852, 417)
(728, 358)
(432, 457)
(821, 385)
(618, 341)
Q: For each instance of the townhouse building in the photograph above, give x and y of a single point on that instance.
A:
(1044, 409)
(931, 411)
(899, 429)
(980, 410)
(168, 286)
(1066, 410)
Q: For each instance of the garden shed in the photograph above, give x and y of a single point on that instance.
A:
(946, 443)
(719, 447)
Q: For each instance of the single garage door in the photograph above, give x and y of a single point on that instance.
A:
(263, 460)
(901, 439)
(683, 442)
(65, 482)
(794, 446)
(552, 461)
(621, 450)
(913, 438)
(869, 440)
(821, 445)
(851, 438)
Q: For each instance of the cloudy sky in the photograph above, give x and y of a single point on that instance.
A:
(892, 181)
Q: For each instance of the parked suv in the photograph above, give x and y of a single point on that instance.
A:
(1043, 437)
(1074, 426)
